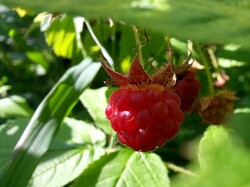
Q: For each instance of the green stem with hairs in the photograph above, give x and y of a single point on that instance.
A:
(138, 44)
(207, 70)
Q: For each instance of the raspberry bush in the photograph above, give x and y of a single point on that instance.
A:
(47, 138)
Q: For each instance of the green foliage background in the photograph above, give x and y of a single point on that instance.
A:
(53, 129)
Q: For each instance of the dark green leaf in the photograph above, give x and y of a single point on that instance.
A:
(34, 55)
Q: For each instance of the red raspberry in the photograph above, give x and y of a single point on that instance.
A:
(216, 110)
(145, 111)
(187, 88)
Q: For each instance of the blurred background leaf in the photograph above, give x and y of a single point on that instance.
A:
(14, 106)
(222, 154)
(196, 18)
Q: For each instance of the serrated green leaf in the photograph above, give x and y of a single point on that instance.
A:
(71, 151)
(14, 106)
(125, 168)
(95, 101)
(76, 145)
(78, 133)
(59, 167)
(46, 122)
(226, 22)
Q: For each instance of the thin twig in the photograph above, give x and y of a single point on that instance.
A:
(180, 169)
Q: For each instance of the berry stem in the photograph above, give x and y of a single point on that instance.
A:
(207, 70)
(138, 44)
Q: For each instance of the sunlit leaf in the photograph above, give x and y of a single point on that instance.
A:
(60, 167)
(14, 106)
(4, 89)
(125, 168)
(76, 145)
(75, 132)
(61, 37)
(95, 101)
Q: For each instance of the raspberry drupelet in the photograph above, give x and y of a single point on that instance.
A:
(145, 111)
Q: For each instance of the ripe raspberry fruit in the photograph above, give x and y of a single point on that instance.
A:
(144, 111)
(216, 110)
(187, 88)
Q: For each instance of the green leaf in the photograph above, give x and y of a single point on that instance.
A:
(59, 167)
(214, 137)
(4, 89)
(14, 106)
(125, 168)
(46, 122)
(76, 145)
(224, 161)
(95, 101)
(34, 55)
(226, 22)
(10, 132)
(61, 37)
(77, 133)
(239, 122)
